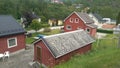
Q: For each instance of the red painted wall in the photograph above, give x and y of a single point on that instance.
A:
(50, 61)
(93, 32)
(47, 57)
(80, 24)
(74, 25)
(69, 55)
(20, 43)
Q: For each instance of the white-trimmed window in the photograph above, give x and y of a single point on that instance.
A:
(12, 42)
(76, 20)
(88, 30)
(68, 27)
(71, 20)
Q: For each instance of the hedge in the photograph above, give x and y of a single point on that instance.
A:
(105, 31)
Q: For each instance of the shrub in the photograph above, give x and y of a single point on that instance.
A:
(105, 31)
(35, 25)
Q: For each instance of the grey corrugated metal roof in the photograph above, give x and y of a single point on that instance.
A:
(8, 25)
(64, 43)
(85, 17)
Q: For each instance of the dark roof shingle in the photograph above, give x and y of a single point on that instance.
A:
(8, 26)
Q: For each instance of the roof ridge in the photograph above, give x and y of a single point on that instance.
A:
(63, 33)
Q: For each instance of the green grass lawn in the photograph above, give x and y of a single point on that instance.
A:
(105, 55)
(55, 31)
(30, 40)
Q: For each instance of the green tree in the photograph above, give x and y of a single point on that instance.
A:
(118, 19)
(35, 25)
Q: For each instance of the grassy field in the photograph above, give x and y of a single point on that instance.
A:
(105, 55)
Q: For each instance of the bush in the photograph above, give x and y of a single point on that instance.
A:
(47, 29)
(35, 25)
(45, 25)
(105, 31)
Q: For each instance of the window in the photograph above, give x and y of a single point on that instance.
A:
(76, 20)
(12, 42)
(71, 20)
(68, 27)
(88, 30)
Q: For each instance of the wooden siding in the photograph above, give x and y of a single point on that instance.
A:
(20, 43)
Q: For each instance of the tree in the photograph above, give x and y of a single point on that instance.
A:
(35, 25)
(118, 19)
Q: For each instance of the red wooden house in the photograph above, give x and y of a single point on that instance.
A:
(12, 37)
(54, 49)
(79, 20)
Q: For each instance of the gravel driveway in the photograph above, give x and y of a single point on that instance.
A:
(19, 60)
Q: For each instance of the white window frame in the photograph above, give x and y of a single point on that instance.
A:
(9, 43)
(76, 20)
(88, 30)
(71, 20)
(69, 28)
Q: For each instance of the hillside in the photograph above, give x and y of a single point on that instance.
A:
(46, 10)
(105, 55)
(106, 8)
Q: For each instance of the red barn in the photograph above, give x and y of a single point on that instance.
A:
(12, 37)
(54, 49)
(78, 20)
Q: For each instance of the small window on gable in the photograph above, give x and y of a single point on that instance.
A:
(76, 20)
(88, 30)
(71, 20)
(12, 42)
(68, 27)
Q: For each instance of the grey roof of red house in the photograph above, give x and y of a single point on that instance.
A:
(8, 26)
(85, 17)
(61, 44)
(92, 25)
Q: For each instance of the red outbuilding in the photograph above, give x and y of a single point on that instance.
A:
(12, 37)
(54, 49)
(80, 20)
